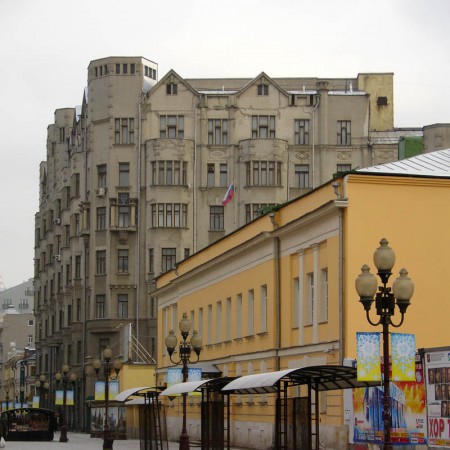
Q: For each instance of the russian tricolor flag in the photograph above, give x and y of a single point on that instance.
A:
(228, 195)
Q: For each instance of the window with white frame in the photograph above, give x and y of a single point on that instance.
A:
(302, 176)
(343, 168)
(124, 216)
(263, 88)
(223, 181)
(210, 174)
(301, 132)
(169, 215)
(344, 132)
(210, 323)
(124, 131)
(171, 127)
(263, 173)
(217, 131)
(263, 127)
(200, 321)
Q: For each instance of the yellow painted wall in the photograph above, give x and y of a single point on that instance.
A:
(413, 215)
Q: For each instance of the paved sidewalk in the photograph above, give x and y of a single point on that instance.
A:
(79, 441)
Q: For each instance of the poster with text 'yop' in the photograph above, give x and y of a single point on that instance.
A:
(437, 369)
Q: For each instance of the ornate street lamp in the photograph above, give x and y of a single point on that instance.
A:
(385, 302)
(107, 377)
(65, 383)
(42, 385)
(185, 358)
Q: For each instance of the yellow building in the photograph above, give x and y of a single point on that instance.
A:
(279, 292)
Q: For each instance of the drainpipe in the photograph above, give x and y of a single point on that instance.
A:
(277, 294)
(314, 142)
(341, 202)
(141, 212)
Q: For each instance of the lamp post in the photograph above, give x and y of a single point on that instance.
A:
(65, 384)
(43, 385)
(385, 301)
(185, 358)
(117, 365)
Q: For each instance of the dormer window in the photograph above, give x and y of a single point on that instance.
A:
(171, 89)
(263, 89)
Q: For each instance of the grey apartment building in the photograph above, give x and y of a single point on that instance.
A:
(134, 180)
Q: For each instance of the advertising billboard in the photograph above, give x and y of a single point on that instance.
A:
(437, 369)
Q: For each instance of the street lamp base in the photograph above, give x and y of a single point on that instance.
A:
(108, 444)
(63, 435)
(184, 441)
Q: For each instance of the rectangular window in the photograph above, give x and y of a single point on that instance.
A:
(101, 176)
(170, 173)
(101, 262)
(263, 309)
(122, 260)
(100, 307)
(302, 175)
(216, 218)
(79, 309)
(132, 68)
(151, 260)
(122, 304)
(238, 316)
(171, 127)
(124, 174)
(323, 307)
(217, 131)
(210, 175)
(125, 69)
(209, 329)
(168, 258)
(223, 175)
(342, 168)
(263, 89)
(101, 218)
(228, 319)
(263, 127)
(171, 89)
(118, 69)
(301, 132)
(295, 302)
(255, 210)
(250, 312)
(263, 173)
(124, 131)
(310, 300)
(124, 216)
(219, 322)
(168, 215)
(344, 132)
(77, 267)
(200, 321)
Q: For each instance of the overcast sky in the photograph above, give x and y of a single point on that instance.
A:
(46, 46)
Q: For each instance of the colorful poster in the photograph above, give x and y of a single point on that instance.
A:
(403, 350)
(408, 411)
(437, 368)
(36, 401)
(100, 390)
(368, 356)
